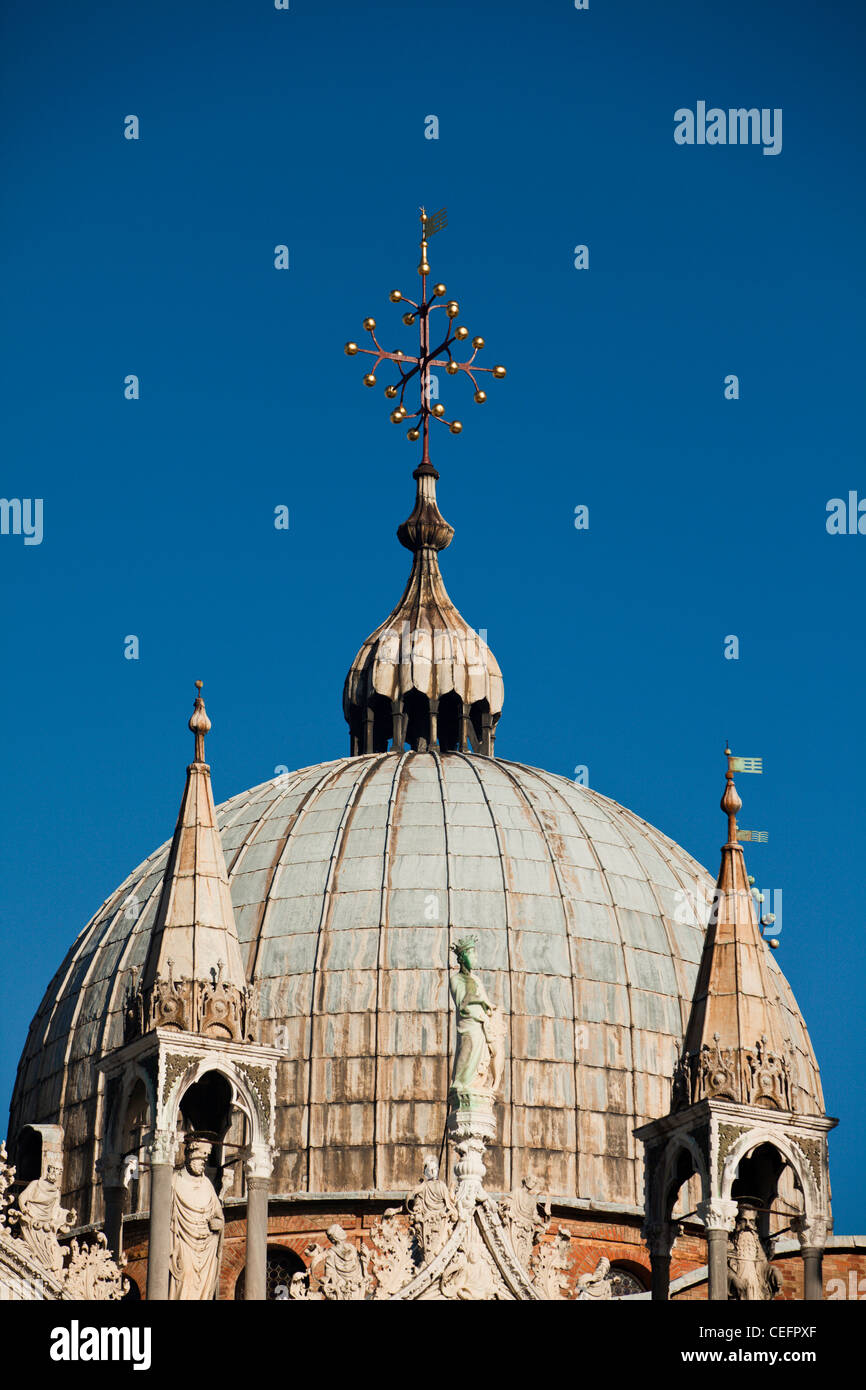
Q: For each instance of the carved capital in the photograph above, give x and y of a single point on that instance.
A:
(718, 1214)
(259, 1162)
(163, 1146)
(811, 1232)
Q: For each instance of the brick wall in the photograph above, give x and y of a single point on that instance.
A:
(620, 1241)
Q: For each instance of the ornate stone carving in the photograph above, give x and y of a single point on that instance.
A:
(813, 1152)
(728, 1136)
(93, 1274)
(470, 1277)
(260, 1080)
(527, 1214)
(432, 1213)
(749, 1076)
(175, 1066)
(811, 1232)
(210, 1008)
(751, 1277)
(197, 1225)
(394, 1260)
(7, 1177)
(339, 1270)
(597, 1284)
(552, 1264)
(718, 1214)
(768, 1081)
(41, 1219)
(79, 1270)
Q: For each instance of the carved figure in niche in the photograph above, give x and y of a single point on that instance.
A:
(480, 1027)
(339, 1270)
(42, 1219)
(432, 1212)
(197, 1225)
(751, 1277)
(527, 1215)
(597, 1284)
(470, 1277)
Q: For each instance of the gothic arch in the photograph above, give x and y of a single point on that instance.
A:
(789, 1151)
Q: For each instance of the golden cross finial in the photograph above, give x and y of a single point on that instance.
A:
(411, 367)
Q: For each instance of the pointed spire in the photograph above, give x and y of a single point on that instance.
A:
(193, 976)
(737, 1043)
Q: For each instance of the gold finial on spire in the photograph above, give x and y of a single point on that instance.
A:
(731, 802)
(420, 366)
(199, 723)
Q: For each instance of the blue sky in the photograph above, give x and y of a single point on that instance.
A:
(707, 516)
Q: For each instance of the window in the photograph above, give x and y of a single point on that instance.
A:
(282, 1264)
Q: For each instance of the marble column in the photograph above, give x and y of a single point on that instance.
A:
(159, 1235)
(258, 1166)
(813, 1283)
(256, 1270)
(718, 1217)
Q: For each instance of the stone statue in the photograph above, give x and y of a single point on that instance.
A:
(342, 1274)
(597, 1284)
(751, 1277)
(528, 1216)
(197, 1225)
(471, 1278)
(42, 1219)
(432, 1212)
(480, 1028)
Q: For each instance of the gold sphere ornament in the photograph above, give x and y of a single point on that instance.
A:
(398, 352)
(480, 397)
(350, 349)
(369, 324)
(408, 319)
(439, 410)
(455, 427)
(478, 343)
(499, 372)
(461, 333)
(424, 268)
(439, 290)
(452, 368)
(395, 296)
(390, 392)
(452, 308)
(396, 416)
(413, 435)
(370, 379)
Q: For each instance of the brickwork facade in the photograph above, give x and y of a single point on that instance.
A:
(294, 1228)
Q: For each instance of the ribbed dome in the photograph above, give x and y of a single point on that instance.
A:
(345, 878)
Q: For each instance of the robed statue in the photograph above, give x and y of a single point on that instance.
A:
(197, 1225)
(480, 1029)
(339, 1270)
(432, 1212)
(42, 1219)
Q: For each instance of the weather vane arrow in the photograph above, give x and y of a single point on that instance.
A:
(419, 367)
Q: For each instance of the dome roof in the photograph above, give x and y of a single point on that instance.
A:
(345, 878)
